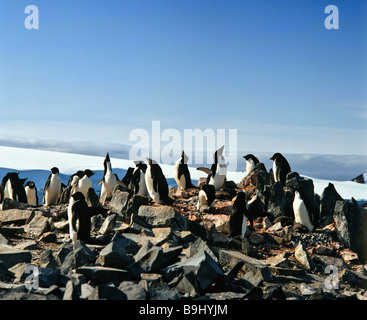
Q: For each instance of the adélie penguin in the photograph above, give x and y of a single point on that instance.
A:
(206, 198)
(301, 214)
(52, 190)
(13, 188)
(31, 193)
(238, 216)
(84, 183)
(217, 173)
(138, 183)
(182, 173)
(281, 167)
(251, 162)
(79, 218)
(156, 183)
(109, 180)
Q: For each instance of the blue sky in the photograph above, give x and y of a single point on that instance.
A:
(95, 70)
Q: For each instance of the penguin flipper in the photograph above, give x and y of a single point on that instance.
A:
(99, 182)
(121, 183)
(206, 170)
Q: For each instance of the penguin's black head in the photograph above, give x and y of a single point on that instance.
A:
(107, 159)
(151, 162)
(184, 157)
(241, 196)
(276, 156)
(78, 196)
(79, 173)
(251, 157)
(30, 184)
(141, 166)
(55, 170)
(88, 173)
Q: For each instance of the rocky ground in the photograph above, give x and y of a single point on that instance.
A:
(144, 251)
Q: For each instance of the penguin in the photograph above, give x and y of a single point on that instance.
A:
(31, 193)
(138, 184)
(206, 198)
(52, 191)
(301, 214)
(217, 173)
(182, 173)
(79, 218)
(251, 162)
(1, 194)
(74, 177)
(281, 168)
(84, 183)
(238, 216)
(127, 178)
(156, 183)
(109, 180)
(13, 187)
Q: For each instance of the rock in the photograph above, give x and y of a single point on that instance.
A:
(11, 256)
(48, 277)
(48, 237)
(118, 203)
(198, 246)
(108, 224)
(162, 216)
(348, 220)
(353, 278)
(205, 269)
(16, 216)
(275, 293)
(151, 258)
(229, 258)
(79, 256)
(266, 223)
(107, 292)
(5, 274)
(62, 252)
(133, 291)
(38, 225)
(327, 261)
(134, 204)
(12, 204)
(328, 200)
(92, 198)
(307, 290)
(27, 245)
(280, 260)
(302, 256)
(3, 239)
(99, 274)
(156, 288)
(114, 255)
(275, 227)
(72, 291)
(62, 225)
(47, 260)
(277, 201)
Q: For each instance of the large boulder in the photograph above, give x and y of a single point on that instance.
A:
(328, 200)
(277, 201)
(11, 256)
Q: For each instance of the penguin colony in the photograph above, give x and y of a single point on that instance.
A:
(147, 179)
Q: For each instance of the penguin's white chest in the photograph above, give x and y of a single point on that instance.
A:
(244, 227)
(142, 185)
(275, 171)
(73, 233)
(218, 180)
(301, 214)
(8, 192)
(149, 184)
(84, 184)
(53, 191)
(250, 165)
(108, 184)
(31, 196)
(181, 183)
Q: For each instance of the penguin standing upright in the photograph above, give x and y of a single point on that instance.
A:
(206, 198)
(31, 193)
(13, 187)
(138, 184)
(281, 168)
(84, 183)
(79, 218)
(156, 183)
(182, 173)
(52, 190)
(301, 214)
(217, 173)
(251, 162)
(109, 180)
(238, 216)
